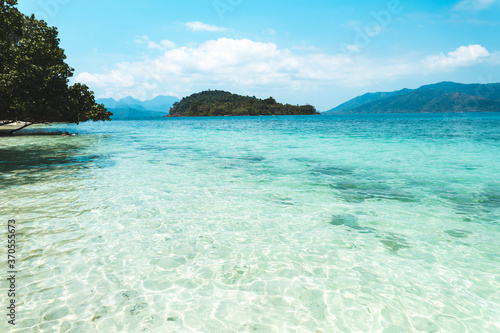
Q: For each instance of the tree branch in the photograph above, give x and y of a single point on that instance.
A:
(18, 129)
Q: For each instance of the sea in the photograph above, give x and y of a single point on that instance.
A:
(339, 223)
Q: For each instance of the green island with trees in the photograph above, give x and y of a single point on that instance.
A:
(34, 77)
(213, 103)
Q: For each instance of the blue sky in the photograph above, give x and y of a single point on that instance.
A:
(317, 51)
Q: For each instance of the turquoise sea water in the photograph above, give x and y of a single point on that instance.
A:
(387, 223)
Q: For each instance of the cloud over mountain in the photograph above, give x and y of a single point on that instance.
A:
(228, 63)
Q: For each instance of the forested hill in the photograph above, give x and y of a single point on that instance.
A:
(439, 97)
(223, 103)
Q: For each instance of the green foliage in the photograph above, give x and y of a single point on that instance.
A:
(223, 103)
(10, 32)
(34, 75)
(81, 105)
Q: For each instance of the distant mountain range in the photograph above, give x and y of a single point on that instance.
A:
(131, 108)
(439, 97)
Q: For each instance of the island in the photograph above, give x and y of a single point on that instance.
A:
(432, 98)
(212, 103)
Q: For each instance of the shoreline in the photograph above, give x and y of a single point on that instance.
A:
(6, 128)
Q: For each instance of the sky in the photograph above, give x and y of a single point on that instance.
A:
(321, 52)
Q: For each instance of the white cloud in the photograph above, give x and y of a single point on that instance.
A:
(245, 65)
(163, 45)
(167, 44)
(463, 56)
(116, 78)
(475, 5)
(200, 26)
(225, 61)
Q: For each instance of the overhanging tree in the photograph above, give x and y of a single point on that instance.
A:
(34, 75)
(10, 32)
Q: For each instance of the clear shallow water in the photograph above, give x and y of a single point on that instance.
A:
(266, 224)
